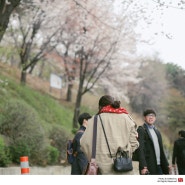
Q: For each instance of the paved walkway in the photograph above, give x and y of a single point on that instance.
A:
(49, 170)
(54, 170)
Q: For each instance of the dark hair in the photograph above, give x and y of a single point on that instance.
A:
(83, 116)
(182, 133)
(149, 111)
(108, 100)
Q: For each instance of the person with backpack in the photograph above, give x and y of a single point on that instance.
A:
(80, 161)
(178, 156)
(152, 158)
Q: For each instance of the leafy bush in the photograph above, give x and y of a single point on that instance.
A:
(20, 123)
(58, 138)
(53, 155)
(19, 149)
(5, 158)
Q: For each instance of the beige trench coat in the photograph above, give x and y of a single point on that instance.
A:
(121, 132)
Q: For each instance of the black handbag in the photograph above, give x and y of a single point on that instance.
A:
(122, 163)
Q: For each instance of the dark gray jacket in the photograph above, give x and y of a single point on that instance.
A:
(179, 155)
(147, 155)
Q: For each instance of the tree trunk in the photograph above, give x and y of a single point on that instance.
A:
(41, 69)
(69, 92)
(77, 105)
(23, 77)
(77, 110)
(6, 10)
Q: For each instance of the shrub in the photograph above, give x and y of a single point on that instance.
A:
(21, 124)
(59, 137)
(53, 155)
(19, 149)
(5, 158)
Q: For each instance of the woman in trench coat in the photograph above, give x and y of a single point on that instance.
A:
(120, 130)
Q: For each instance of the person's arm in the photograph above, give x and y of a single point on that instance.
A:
(174, 155)
(142, 160)
(133, 137)
(144, 171)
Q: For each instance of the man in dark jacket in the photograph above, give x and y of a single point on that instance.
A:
(152, 159)
(179, 153)
(80, 162)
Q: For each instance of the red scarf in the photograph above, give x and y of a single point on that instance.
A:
(110, 109)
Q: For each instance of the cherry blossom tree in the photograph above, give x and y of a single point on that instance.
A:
(34, 36)
(93, 45)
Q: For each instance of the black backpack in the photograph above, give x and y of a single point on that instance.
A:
(71, 154)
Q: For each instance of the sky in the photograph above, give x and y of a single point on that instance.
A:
(166, 33)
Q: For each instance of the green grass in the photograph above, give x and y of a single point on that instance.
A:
(50, 111)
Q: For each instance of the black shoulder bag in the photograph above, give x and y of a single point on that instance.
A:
(122, 163)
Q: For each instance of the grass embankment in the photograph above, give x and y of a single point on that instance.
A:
(50, 106)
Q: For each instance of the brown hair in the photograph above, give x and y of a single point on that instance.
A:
(108, 100)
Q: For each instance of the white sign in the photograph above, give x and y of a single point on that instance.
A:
(55, 81)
